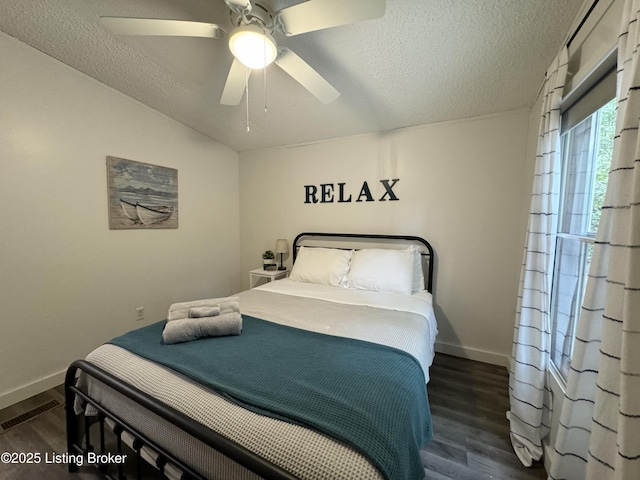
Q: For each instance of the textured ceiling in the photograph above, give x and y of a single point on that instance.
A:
(425, 61)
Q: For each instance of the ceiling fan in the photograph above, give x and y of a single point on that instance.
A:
(251, 40)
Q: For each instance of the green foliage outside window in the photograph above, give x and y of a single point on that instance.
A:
(606, 132)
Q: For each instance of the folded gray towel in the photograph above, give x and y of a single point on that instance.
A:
(232, 306)
(180, 311)
(199, 312)
(189, 329)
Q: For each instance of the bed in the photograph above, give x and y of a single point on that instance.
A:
(356, 311)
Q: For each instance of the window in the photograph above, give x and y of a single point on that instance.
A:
(586, 149)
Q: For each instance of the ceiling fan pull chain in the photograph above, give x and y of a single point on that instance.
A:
(246, 86)
(265, 91)
(264, 74)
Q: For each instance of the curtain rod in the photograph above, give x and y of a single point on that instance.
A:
(593, 5)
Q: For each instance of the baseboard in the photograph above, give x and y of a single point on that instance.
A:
(473, 354)
(27, 391)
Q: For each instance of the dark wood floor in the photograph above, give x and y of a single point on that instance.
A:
(468, 404)
(469, 401)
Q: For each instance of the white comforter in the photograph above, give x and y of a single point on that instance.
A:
(415, 334)
(394, 320)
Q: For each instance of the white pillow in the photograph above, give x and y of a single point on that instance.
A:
(418, 273)
(382, 270)
(324, 266)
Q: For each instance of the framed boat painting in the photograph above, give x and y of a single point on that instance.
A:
(141, 195)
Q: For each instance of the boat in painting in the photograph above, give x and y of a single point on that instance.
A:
(129, 210)
(145, 214)
(149, 215)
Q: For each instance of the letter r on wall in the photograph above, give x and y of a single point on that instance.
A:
(310, 192)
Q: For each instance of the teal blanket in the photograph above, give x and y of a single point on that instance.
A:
(369, 396)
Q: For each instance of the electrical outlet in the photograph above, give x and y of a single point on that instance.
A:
(140, 313)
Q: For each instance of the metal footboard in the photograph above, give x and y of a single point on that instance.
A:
(75, 431)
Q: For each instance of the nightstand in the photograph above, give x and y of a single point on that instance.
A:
(270, 275)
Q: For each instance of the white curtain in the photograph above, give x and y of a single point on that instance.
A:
(599, 435)
(529, 393)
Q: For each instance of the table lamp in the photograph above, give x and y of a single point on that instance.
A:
(282, 247)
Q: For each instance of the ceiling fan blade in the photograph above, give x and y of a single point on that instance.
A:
(319, 14)
(153, 26)
(236, 82)
(306, 76)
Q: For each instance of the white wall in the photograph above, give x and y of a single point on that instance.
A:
(461, 187)
(67, 282)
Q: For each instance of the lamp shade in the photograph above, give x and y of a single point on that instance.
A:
(282, 246)
(252, 46)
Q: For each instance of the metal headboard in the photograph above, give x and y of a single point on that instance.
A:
(409, 239)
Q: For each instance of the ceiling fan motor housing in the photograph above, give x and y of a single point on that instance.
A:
(259, 15)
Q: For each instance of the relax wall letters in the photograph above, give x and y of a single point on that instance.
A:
(328, 192)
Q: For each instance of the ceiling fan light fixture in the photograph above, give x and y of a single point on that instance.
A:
(252, 46)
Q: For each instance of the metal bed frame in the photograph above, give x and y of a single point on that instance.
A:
(79, 428)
